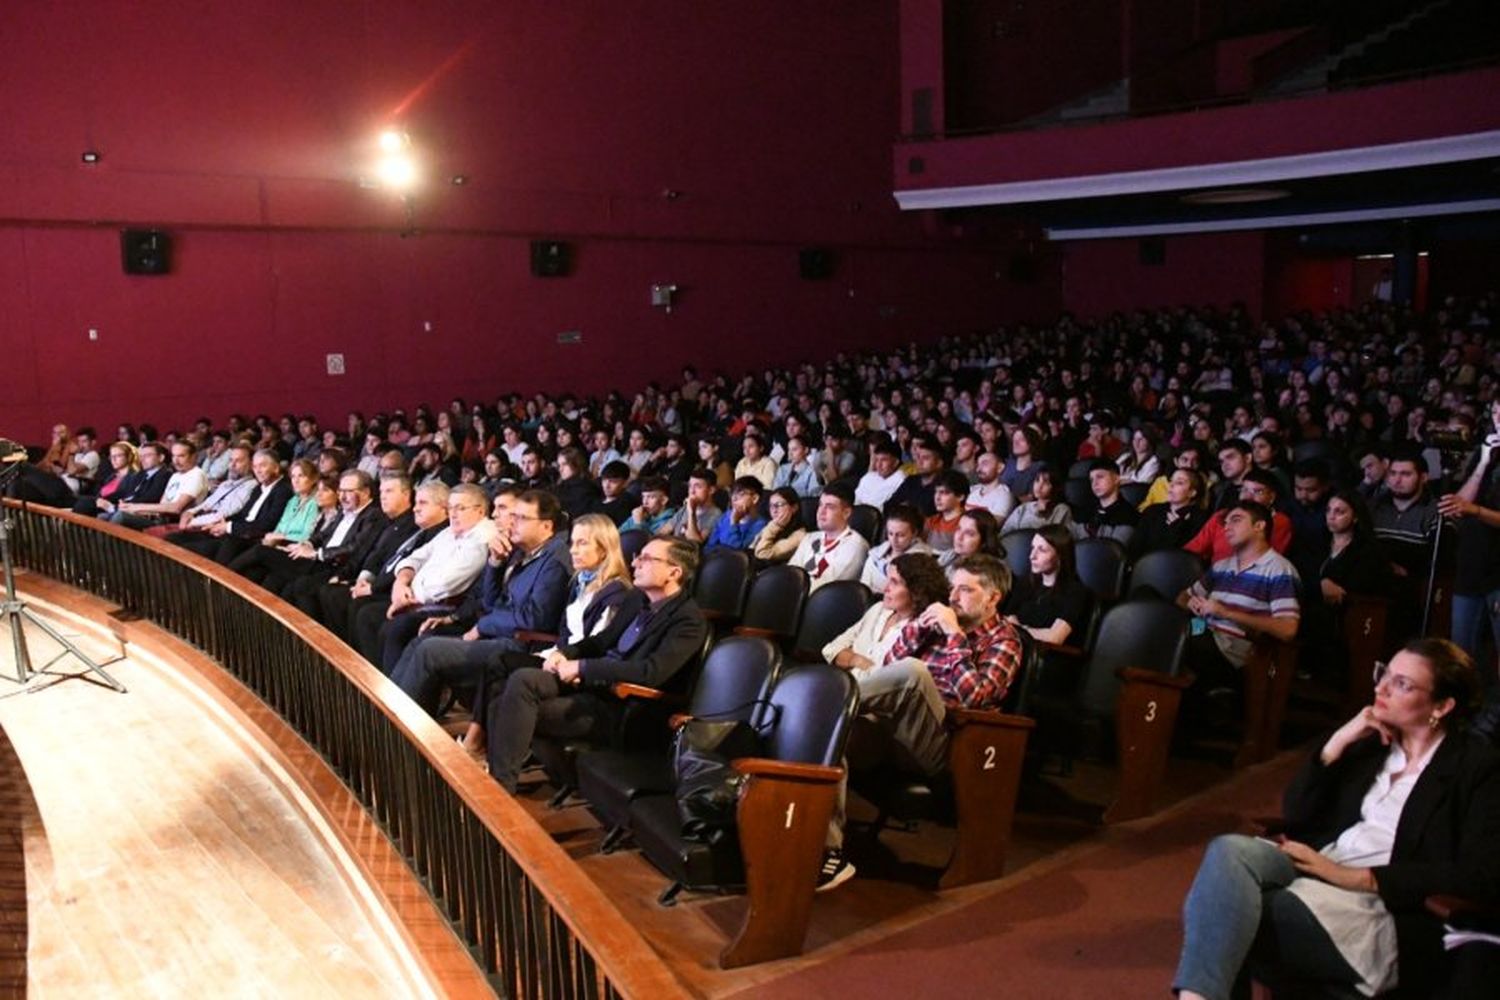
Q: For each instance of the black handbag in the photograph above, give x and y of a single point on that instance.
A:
(708, 788)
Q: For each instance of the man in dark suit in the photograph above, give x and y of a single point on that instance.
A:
(400, 524)
(224, 540)
(330, 546)
(571, 693)
(524, 591)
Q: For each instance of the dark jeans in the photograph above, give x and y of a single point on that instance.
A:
(532, 702)
(432, 662)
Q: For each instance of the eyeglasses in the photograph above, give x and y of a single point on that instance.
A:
(464, 506)
(644, 558)
(1400, 682)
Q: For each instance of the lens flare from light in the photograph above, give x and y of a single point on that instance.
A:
(392, 141)
(397, 172)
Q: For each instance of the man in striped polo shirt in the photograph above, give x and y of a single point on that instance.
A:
(1251, 592)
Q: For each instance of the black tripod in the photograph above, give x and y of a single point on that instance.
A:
(17, 614)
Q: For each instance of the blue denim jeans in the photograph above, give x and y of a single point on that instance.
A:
(1470, 614)
(1238, 902)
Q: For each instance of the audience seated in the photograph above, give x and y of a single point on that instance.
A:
(161, 497)
(948, 498)
(1110, 515)
(523, 588)
(988, 492)
(798, 471)
(740, 525)
(220, 504)
(696, 518)
(885, 477)
(784, 531)
(124, 475)
(834, 551)
(904, 527)
(432, 580)
(1176, 521)
(570, 693)
(1050, 602)
(652, 515)
(978, 533)
(1045, 505)
(1255, 486)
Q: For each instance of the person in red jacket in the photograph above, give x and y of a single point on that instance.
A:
(1259, 486)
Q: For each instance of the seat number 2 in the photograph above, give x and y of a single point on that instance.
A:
(989, 758)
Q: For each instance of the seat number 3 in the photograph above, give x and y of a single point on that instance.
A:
(1150, 711)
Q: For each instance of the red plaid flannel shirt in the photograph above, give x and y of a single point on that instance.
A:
(972, 669)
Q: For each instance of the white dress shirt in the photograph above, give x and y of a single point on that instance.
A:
(446, 566)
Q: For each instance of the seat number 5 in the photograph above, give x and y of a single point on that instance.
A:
(989, 758)
(1150, 711)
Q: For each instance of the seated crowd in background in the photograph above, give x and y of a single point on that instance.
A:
(1304, 461)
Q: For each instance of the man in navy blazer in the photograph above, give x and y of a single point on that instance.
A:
(571, 694)
(523, 588)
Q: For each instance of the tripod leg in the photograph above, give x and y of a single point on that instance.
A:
(68, 644)
(18, 644)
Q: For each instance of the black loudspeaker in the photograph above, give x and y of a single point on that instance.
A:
(815, 263)
(145, 251)
(550, 258)
(1153, 251)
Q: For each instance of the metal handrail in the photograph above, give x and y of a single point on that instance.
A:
(532, 920)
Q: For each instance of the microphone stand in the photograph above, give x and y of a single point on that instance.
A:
(17, 614)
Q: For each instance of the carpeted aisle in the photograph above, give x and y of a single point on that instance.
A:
(1100, 920)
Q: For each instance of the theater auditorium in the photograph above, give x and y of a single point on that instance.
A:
(991, 498)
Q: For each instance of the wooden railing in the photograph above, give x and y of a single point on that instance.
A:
(535, 923)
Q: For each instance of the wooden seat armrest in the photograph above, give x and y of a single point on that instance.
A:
(528, 636)
(768, 768)
(959, 717)
(715, 615)
(1447, 908)
(1267, 826)
(1061, 648)
(678, 720)
(761, 633)
(1143, 676)
(626, 690)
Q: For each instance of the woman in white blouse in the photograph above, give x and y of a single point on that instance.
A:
(601, 603)
(1400, 803)
(912, 582)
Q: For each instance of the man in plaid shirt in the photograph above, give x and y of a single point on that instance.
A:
(963, 653)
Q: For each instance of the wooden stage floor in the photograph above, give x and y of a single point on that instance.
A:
(163, 860)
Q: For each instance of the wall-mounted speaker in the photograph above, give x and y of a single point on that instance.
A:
(145, 251)
(815, 263)
(551, 258)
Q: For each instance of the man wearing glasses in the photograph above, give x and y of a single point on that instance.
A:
(432, 580)
(569, 694)
(524, 589)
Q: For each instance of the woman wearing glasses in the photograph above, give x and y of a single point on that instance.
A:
(1399, 803)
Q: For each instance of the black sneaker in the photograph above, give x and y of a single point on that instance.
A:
(836, 870)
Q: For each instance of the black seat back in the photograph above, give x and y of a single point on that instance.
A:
(1101, 567)
(775, 600)
(1024, 685)
(830, 610)
(868, 521)
(737, 675)
(722, 582)
(1134, 493)
(632, 541)
(1018, 551)
(812, 706)
(1148, 634)
(1164, 574)
(1079, 495)
(810, 513)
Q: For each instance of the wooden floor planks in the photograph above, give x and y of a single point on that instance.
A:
(167, 862)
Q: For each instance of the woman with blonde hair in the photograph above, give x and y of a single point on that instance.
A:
(124, 472)
(602, 601)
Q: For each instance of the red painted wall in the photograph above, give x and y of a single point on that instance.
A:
(244, 130)
(1100, 276)
(1456, 104)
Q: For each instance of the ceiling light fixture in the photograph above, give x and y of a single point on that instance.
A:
(1234, 196)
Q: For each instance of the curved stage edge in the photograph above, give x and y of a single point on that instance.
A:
(395, 907)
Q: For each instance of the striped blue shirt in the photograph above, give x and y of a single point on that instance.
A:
(1268, 586)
